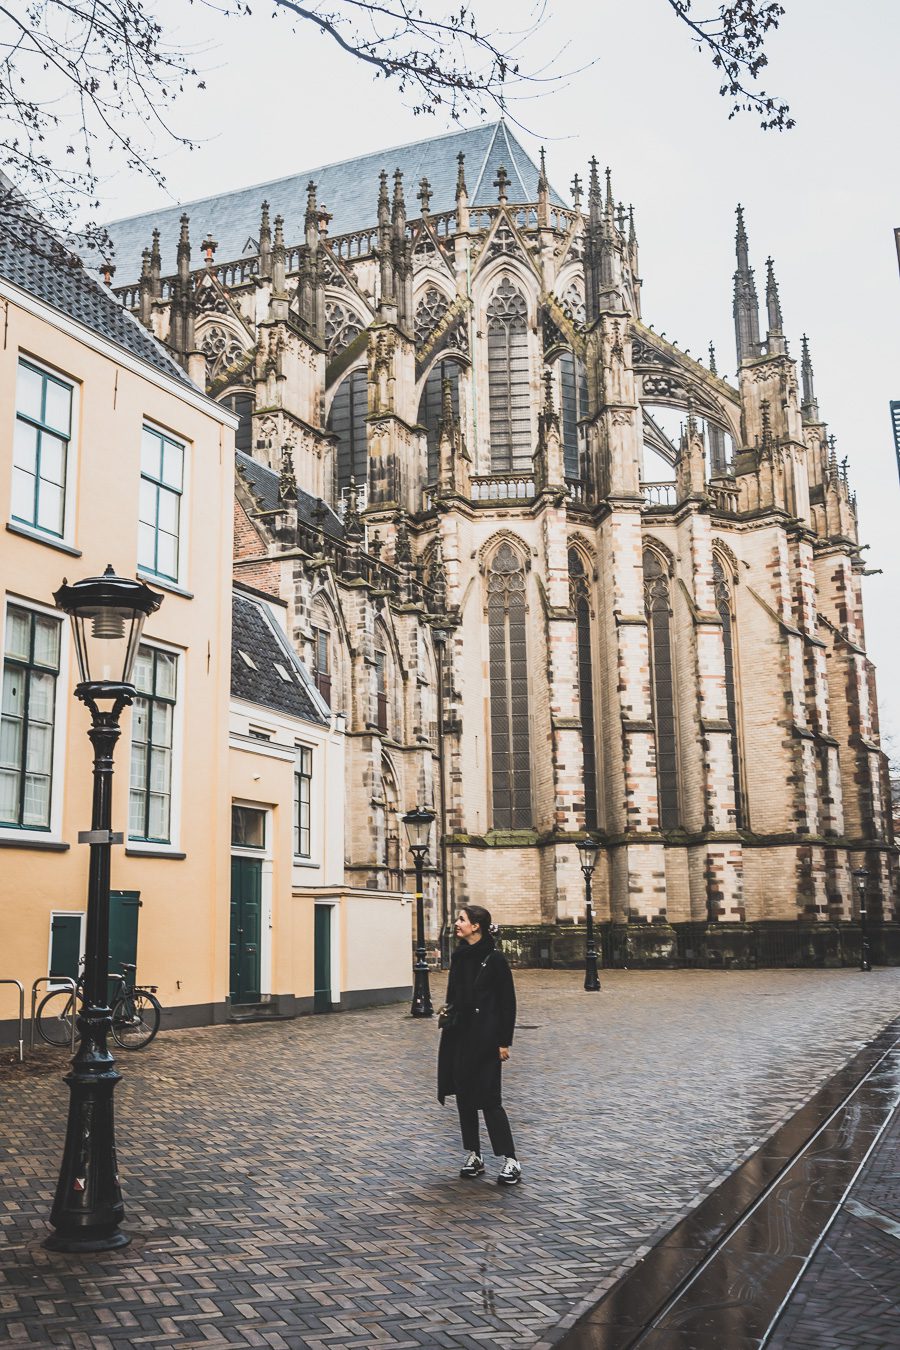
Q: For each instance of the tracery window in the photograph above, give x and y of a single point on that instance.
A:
(347, 419)
(724, 605)
(508, 382)
(341, 327)
(508, 665)
(573, 303)
(657, 603)
(579, 598)
(429, 311)
(430, 406)
(573, 405)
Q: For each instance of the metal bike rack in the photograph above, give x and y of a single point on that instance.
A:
(68, 983)
(21, 988)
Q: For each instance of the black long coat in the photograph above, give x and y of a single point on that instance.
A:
(469, 1053)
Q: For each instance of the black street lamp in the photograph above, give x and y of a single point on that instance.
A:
(861, 876)
(587, 850)
(418, 827)
(108, 615)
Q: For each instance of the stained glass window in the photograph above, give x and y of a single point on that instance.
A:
(573, 405)
(510, 747)
(659, 622)
(579, 592)
(724, 606)
(508, 380)
(347, 419)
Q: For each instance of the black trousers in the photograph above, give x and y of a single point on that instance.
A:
(497, 1122)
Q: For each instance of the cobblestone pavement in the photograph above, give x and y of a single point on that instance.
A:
(849, 1295)
(295, 1184)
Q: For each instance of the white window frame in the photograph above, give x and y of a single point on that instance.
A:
(29, 833)
(162, 579)
(70, 501)
(299, 749)
(173, 844)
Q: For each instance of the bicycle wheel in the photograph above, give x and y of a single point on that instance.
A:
(54, 1017)
(135, 1019)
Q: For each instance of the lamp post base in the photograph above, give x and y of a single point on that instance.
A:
(96, 1242)
(591, 978)
(421, 999)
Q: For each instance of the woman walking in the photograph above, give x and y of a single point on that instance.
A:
(475, 1041)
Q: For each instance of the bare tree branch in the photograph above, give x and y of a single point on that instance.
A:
(735, 40)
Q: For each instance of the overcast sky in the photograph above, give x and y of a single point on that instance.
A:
(822, 199)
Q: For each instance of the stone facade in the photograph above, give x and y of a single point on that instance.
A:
(677, 666)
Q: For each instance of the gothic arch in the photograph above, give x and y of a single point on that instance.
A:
(724, 580)
(325, 616)
(658, 576)
(391, 843)
(388, 682)
(490, 279)
(664, 553)
(493, 543)
(508, 681)
(587, 550)
(582, 606)
(728, 559)
(343, 323)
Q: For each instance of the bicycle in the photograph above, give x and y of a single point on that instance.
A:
(136, 1013)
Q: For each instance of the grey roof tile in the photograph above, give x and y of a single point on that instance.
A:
(263, 483)
(349, 190)
(32, 258)
(255, 633)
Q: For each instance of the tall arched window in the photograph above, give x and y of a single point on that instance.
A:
(657, 603)
(722, 585)
(241, 405)
(579, 594)
(347, 419)
(510, 751)
(572, 406)
(430, 406)
(508, 382)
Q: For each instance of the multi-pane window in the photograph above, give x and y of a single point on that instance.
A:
(248, 827)
(162, 481)
(30, 669)
(302, 801)
(322, 663)
(381, 694)
(573, 405)
(41, 449)
(152, 727)
(579, 592)
(508, 380)
(508, 663)
(722, 589)
(347, 419)
(431, 408)
(659, 622)
(242, 407)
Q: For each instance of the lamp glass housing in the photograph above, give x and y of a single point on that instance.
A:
(108, 614)
(587, 852)
(418, 828)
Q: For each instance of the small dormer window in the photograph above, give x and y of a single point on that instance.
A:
(247, 660)
(283, 672)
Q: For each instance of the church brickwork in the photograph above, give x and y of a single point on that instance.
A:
(448, 422)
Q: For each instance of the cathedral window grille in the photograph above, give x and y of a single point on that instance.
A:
(579, 595)
(381, 693)
(573, 303)
(725, 607)
(430, 407)
(242, 407)
(347, 419)
(508, 664)
(341, 327)
(573, 406)
(657, 603)
(508, 380)
(429, 311)
(322, 662)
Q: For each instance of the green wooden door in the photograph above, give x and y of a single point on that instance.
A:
(65, 944)
(322, 991)
(124, 907)
(246, 922)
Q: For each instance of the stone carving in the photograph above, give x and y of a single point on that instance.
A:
(221, 348)
(341, 327)
(429, 311)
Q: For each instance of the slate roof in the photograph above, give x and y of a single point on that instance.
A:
(32, 258)
(256, 633)
(349, 190)
(263, 483)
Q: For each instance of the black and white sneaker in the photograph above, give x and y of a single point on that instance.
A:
(511, 1173)
(473, 1165)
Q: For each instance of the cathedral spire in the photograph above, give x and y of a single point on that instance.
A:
(279, 294)
(310, 280)
(501, 183)
(145, 289)
(610, 208)
(712, 360)
(773, 303)
(462, 195)
(809, 406)
(424, 196)
(155, 267)
(577, 188)
(401, 249)
(398, 209)
(594, 200)
(184, 250)
(746, 303)
(265, 241)
(543, 194)
(384, 250)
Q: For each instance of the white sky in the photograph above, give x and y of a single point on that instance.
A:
(822, 199)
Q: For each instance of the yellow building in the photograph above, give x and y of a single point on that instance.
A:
(110, 454)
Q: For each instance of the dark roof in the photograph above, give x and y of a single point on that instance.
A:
(264, 484)
(349, 190)
(32, 258)
(256, 634)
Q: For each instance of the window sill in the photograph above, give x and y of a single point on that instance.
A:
(40, 538)
(154, 853)
(42, 845)
(306, 862)
(164, 584)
